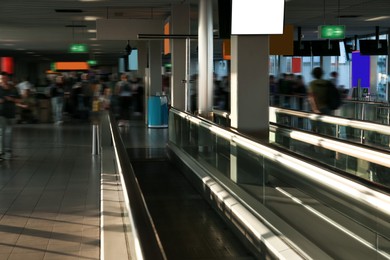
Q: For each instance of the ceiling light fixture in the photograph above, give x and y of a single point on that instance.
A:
(91, 18)
(377, 18)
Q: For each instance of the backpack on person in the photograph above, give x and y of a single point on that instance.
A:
(333, 96)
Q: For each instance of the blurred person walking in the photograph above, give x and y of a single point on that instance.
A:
(300, 91)
(124, 92)
(28, 108)
(85, 97)
(23, 85)
(318, 95)
(57, 99)
(9, 97)
(334, 78)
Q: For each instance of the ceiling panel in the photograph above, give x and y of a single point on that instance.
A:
(34, 26)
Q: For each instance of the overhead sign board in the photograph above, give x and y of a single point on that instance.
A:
(331, 31)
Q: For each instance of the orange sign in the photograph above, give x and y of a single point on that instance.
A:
(71, 65)
(167, 48)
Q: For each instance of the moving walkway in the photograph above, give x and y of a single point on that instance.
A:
(282, 204)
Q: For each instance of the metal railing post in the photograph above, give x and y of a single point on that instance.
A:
(95, 140)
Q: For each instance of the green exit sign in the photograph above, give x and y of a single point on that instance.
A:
(78, 48)
(92, 62)
(331, 31)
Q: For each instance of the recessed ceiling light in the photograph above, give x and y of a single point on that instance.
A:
(377, 18)
(91, 18)
(9, 40)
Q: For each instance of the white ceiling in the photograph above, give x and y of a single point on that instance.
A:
(34, 30)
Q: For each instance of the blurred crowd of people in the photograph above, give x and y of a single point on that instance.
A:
(288, 84)
(221, 93)
(77, 95)
(74, 95)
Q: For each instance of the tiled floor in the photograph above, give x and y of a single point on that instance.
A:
(50, 194)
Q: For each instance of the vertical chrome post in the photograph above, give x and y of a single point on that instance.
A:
(95, 140)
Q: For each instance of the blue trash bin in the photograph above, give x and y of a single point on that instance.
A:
(158, 111)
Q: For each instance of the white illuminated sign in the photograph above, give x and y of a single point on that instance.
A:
(257, 17)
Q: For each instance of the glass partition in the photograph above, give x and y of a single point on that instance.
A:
(333, 212)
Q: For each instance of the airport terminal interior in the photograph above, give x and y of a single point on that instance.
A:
(194, 129)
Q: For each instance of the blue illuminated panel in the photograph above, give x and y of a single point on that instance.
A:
(360, 70)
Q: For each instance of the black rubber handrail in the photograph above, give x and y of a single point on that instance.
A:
(146, 233)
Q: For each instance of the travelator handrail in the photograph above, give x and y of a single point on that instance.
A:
(363, 198)
(363, 125)
(337, 121)
(340, 121)
(358, 151)
(336, 145)
(146, 241)
(346, 100)
(372, 155)
(370, 102)
(359, 109)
